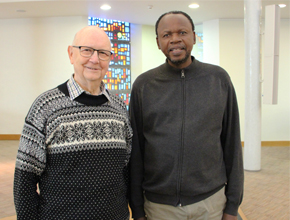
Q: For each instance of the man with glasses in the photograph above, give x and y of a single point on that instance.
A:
(76, 143)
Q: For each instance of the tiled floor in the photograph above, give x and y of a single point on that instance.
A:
(266, 194)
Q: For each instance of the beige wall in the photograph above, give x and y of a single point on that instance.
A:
(151, 55)
(275, 118)
(34, 59)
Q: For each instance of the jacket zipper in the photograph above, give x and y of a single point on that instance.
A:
(182, 139)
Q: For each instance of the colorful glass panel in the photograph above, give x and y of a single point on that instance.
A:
(118, 77)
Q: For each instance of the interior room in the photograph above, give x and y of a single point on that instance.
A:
(34, 38)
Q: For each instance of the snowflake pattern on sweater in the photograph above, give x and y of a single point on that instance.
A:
(77, 152)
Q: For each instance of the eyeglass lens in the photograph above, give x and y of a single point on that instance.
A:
(88, 52)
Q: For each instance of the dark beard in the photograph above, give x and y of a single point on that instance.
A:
(179, 62)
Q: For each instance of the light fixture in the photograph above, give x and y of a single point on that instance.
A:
(194, 5)
(105, 7)
(20, 10)
(282, 5)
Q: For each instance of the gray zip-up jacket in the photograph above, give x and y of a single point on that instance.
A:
(186, 143)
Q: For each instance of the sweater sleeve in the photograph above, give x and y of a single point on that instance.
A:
(231, 142)
(129, 135)
(30, 163)
(136, 162)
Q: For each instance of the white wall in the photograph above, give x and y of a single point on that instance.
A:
(151, 55)
(211, 39)
(145, 54)
(232, 59)
(34, 59)
(136, 47)
(275, 118)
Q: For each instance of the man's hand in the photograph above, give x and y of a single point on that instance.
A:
(229, 217)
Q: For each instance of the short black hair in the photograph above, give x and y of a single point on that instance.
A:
(174, 12)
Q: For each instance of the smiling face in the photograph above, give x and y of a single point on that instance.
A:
(89, 71)
(175, 39)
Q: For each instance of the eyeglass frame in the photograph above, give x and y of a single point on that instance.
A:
(79, 47)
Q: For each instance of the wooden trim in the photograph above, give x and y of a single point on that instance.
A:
(263, 143)
(9, 137)
(242, 215)
(273, 143)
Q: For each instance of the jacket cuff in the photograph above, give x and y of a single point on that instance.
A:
(138, 212)
(231, 209)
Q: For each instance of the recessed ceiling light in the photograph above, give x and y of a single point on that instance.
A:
(105, 7)
(282, 5)
(194, 5)
(20, 10)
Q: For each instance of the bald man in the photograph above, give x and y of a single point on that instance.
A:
(76, 143)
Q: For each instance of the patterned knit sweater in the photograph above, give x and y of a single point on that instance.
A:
(76, 152)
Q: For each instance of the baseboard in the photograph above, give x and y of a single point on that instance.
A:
(242, 215)
(273, 143)
(9, 136)
(263, 143)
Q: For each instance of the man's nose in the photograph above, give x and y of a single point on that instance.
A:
(175, 38)
(95, 57)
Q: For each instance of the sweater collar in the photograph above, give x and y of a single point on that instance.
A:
(75, 89)
(84, 98)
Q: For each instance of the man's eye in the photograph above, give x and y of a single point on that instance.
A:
(87, 50)
(103, 53)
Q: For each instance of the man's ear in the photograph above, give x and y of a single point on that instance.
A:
(157, 43)
(70, 54)
(194, 38)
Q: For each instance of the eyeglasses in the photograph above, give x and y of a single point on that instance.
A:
(88, 52)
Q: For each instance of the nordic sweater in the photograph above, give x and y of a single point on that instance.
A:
(77, 151)
(186, 142)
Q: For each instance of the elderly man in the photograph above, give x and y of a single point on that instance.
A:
(76, 143)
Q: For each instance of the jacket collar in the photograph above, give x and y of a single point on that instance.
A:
(176, 73)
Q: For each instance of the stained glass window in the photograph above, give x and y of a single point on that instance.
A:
(118, 77)
(197, 51)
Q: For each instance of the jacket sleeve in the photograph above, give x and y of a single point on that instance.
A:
(30, 163)
(232, 150)
(136, 162)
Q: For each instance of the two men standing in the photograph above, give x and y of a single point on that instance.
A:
(186, 160)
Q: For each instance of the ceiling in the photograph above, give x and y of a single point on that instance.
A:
(133, 11)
